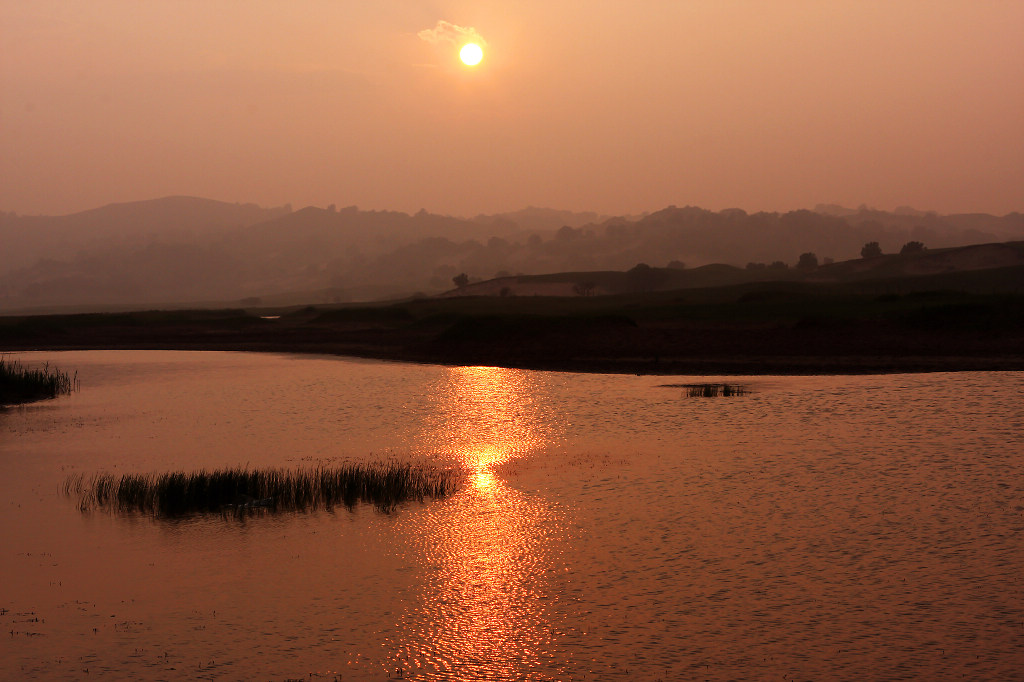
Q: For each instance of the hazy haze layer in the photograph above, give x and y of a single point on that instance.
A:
(613, 107)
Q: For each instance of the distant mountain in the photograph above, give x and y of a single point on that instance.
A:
(184, 250)
(26, 239)
(351, 228)
(695, 235)
(533, 219)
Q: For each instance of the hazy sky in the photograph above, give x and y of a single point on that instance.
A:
(613, 106)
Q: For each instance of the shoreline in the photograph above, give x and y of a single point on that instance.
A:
(824, 334)
(693, 366)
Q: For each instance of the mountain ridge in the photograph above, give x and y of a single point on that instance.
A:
(178, 248)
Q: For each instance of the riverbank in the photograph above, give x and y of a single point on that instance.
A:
(806, 330)
(20, 384)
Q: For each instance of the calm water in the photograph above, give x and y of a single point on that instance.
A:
(607, 528)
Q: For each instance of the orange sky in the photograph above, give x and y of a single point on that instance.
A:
(618, 107)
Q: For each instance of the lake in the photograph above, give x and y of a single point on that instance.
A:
(605, 526)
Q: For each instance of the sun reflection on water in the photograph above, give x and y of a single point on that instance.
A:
(491, 549)
(486, 416)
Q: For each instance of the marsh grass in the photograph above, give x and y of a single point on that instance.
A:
(20, 384)
(714, 390)
(385, 485)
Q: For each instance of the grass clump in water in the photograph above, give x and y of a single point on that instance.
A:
(19, 384)
(714, 390)
(243, 490)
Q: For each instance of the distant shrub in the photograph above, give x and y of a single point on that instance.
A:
(911, 248)
(871, 250)
(808, 261)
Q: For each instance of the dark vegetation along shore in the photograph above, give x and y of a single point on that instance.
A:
(21, 384)
(244, 490)
(846, 322)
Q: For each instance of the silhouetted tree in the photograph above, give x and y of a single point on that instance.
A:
(676, 265)
(911, 248)
(871, 250)
(808, 261)
(778, 265)
(461, 280)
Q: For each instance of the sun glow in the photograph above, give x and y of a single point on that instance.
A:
(495, 551)
(471, 54)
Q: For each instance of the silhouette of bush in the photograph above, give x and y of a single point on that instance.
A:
(808, 261)
(911, 248)
(871, 250)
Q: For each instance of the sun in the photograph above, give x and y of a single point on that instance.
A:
(471, 54)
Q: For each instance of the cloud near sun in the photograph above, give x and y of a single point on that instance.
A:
(447, 32)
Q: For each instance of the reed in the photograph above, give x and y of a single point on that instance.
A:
(385, 485)
(20, 384)
(714, 390)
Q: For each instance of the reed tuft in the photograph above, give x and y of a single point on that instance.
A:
(714, 390)
(248, 490)
(19, 384)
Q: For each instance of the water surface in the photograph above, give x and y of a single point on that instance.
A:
(607, 527)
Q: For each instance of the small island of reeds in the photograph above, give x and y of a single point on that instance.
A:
(21, 384)
(713, 390)
(243, 490)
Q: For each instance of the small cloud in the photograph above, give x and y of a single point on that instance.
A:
(447, 32)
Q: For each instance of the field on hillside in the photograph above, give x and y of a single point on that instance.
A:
(938, 322)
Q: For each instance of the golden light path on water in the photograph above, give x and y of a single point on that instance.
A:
(492, 551)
